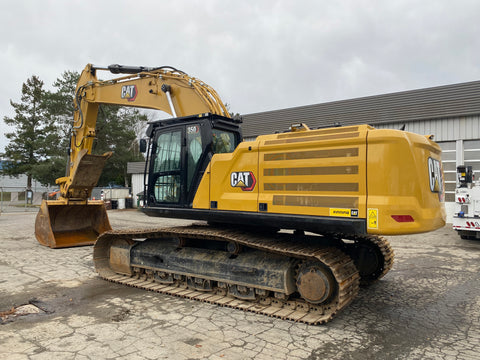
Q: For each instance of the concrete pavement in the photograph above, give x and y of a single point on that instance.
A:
(427, 307)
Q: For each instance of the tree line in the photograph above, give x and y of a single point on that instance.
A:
(39, 143)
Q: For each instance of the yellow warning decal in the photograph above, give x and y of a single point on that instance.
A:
(373, 218)
(344, 212)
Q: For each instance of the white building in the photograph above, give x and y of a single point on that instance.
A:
(136, 169)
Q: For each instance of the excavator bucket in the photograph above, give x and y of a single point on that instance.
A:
(65, 225)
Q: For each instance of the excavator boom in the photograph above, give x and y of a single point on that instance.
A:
(73, 219)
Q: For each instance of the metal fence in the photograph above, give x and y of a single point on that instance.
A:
(19, 199)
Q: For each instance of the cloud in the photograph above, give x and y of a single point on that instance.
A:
(258, 55)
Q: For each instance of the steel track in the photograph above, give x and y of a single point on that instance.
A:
(380, 244)
(295, 309)
(388, 257)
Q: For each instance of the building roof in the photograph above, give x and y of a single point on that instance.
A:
(430, 103)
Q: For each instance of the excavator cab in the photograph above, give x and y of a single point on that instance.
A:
(179, 153)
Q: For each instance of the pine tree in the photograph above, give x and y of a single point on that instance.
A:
(60, 104)
(34, 137)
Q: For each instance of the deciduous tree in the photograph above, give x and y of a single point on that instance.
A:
(116, 132)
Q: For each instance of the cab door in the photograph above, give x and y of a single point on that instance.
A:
(166, 180)
(176, 159)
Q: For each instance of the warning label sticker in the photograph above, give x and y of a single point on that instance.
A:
(372, 218)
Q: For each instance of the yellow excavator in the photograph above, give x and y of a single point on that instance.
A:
(292, 222)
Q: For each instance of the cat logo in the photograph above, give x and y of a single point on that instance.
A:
(435, 171)
(129, 92)
(344, 212)
(243, 179)
(436, 178)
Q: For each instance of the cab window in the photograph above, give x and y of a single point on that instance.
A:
(194, 151)
(223, 141)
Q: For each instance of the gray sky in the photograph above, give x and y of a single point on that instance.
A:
(258, 55)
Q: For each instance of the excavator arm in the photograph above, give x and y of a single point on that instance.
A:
(163, 88)
(74, 220)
